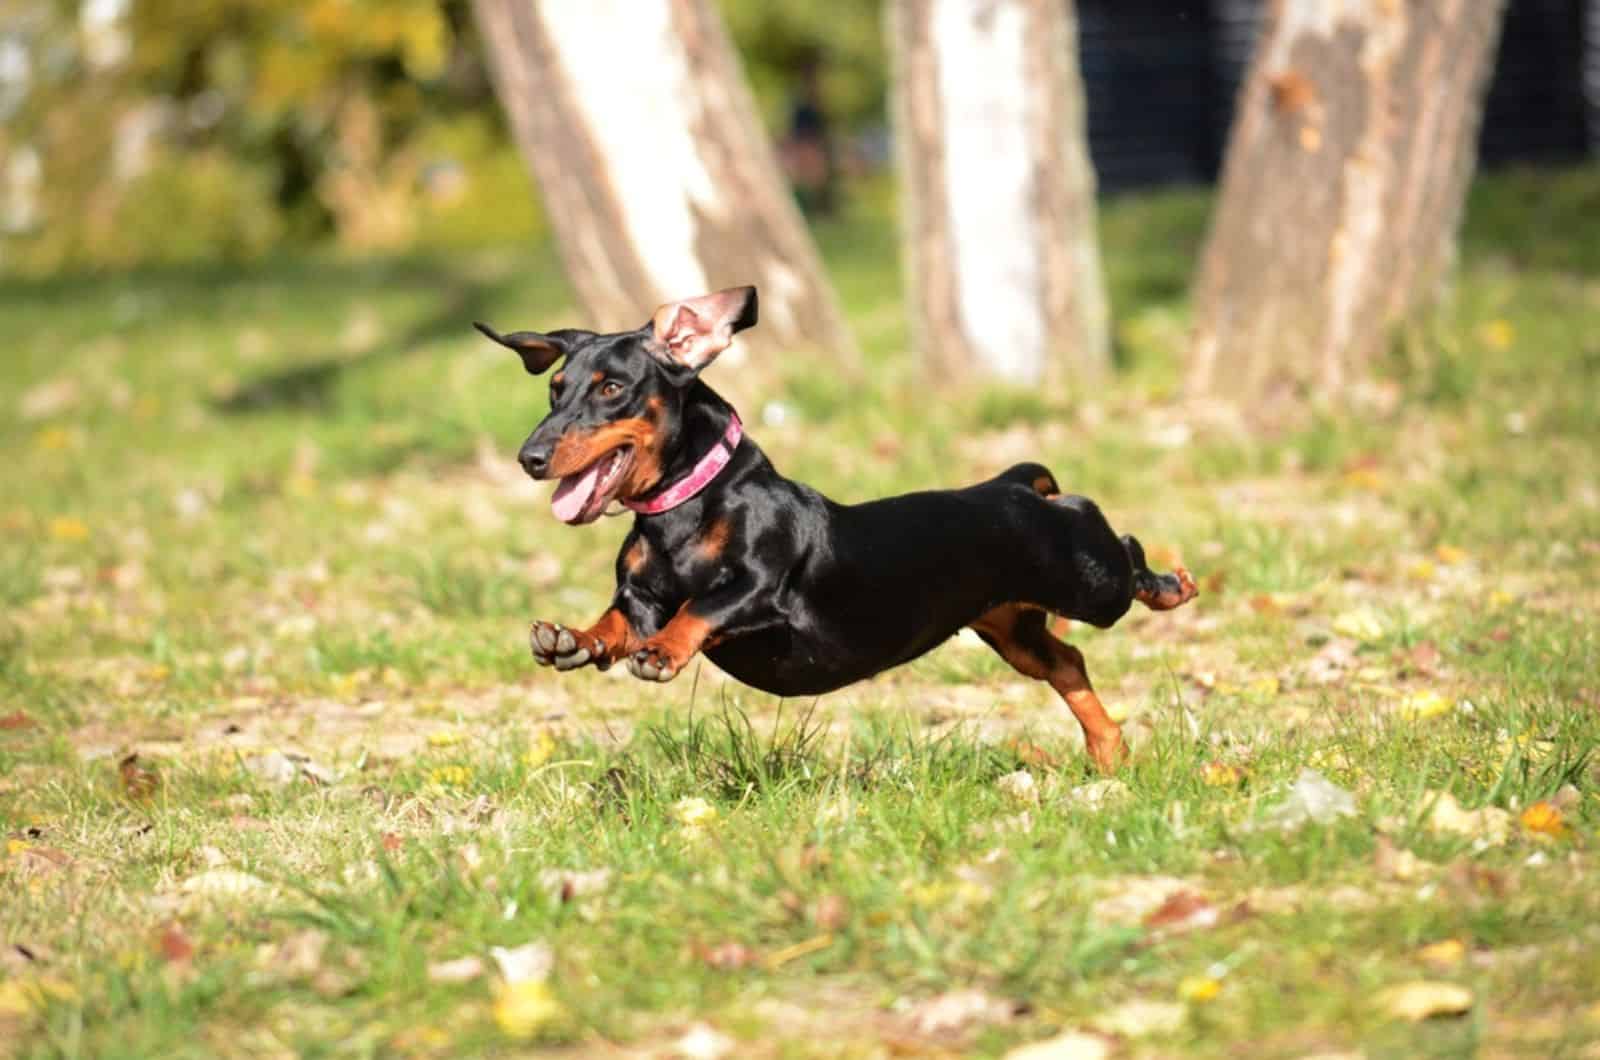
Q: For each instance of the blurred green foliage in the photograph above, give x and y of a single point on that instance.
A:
(174, 131)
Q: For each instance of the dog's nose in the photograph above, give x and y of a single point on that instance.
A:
(535, 459)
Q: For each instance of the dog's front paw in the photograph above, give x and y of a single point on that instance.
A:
(653, 664)
(563, 648)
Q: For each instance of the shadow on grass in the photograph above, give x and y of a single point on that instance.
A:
(308, 383)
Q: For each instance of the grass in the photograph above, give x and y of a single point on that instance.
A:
(273, 746)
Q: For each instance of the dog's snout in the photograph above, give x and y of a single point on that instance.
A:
(535, 459)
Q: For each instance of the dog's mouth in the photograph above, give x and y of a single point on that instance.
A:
(583, 495)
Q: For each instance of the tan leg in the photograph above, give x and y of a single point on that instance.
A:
(609, 639)
(1017, 632)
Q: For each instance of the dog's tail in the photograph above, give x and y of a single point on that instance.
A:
(1158, 592)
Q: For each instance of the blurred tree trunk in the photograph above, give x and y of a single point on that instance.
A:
(1351, 152)
(657, 177)
(1003, 261)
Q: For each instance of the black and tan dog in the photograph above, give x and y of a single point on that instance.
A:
(783, 588)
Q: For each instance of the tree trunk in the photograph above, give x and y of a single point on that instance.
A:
(658, 179)
(1348, 164)
(1003, 262)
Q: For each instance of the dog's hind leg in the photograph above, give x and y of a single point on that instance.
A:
(1017, 632)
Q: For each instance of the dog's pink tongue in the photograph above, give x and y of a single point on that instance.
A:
(574, 493)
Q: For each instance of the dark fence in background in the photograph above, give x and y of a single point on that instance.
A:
(1162, 77)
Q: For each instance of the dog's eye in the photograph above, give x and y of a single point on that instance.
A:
(610, 388)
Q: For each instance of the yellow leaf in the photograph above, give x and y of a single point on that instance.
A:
(55, 439)
(544, 746)
(1500, 598)
(1199, 989)
(15, 846)
(694, 813)
(1424, 999)
(527, 1009)
(1443, 953)
(1498, 334)
(1450, 555)
(1420, 706)
(1221, 775)
(1542, 818)
(19, 997)
(451, 776)
(1364, 478)
(299, 485)
(1423, 570)
(67, 528)
(1263, 687)
(1360, 624)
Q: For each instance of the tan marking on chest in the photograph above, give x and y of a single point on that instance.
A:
(714, 541)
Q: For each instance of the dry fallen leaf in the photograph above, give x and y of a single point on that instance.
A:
(1360, 624)
(1073, 1045)
(832, 912)
(1489, 824)
(703, 1042)
(530, 962)
(173, 945)
(137, 781)
(564, 885)
(1019, 786)
(527, 1009)
(1542, 818)
(1221, 775)
(950, 1013)
(1198, 989)
(460, 970)
(1420, 706)
(727, 956)
(1442, 954)
(1183, 911)
(223, 883)
(17, 720)
(1099, 794)
(1132, 898)
(779, 958)
(1397, 863)
(1135, 1019)
(1424, 999)
(1031, 754)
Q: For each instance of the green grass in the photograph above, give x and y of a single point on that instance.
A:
(275, 510)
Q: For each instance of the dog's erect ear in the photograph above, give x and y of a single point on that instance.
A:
(538, 351)
(689, 334)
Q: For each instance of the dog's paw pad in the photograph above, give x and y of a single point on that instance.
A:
(572, 660)
(647, 664)
(558, 646)
(542, 638)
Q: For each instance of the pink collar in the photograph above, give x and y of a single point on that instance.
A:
(707, 469)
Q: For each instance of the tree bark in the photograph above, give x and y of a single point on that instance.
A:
(998, 211)
(1348, 164)
(658, 178)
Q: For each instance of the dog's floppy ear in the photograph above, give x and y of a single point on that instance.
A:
(538, 352)
(689, 334)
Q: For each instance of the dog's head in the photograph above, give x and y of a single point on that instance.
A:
(615, 403)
